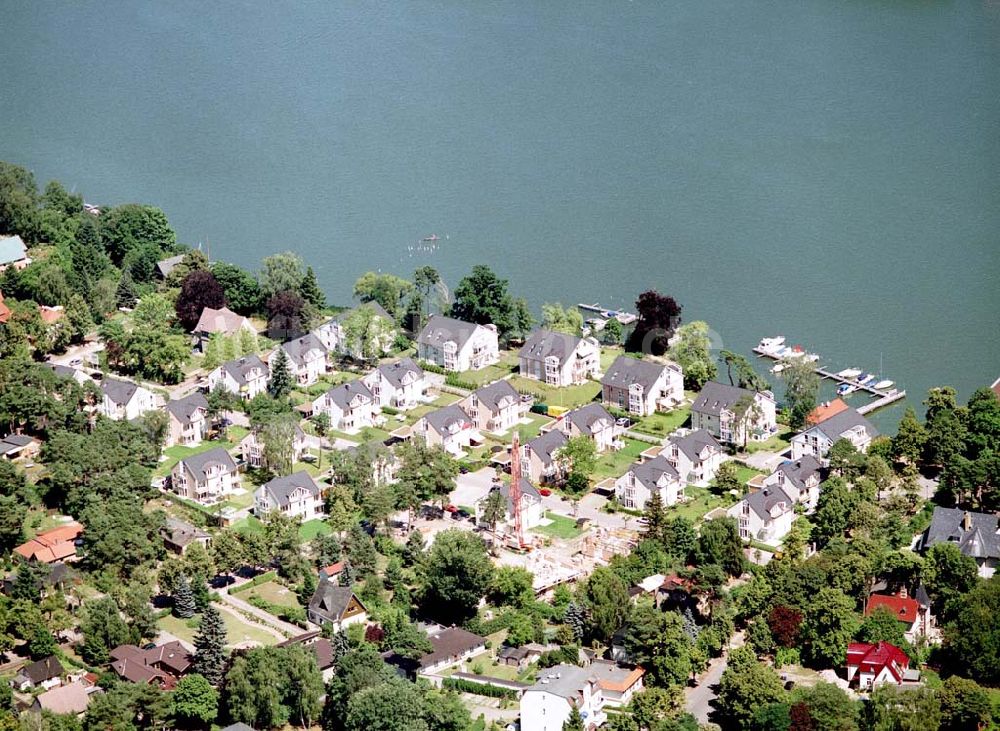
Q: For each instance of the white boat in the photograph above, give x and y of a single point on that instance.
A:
(771, 345)
(882, 385)
(778, 368)
(849, 373)
(846, 389)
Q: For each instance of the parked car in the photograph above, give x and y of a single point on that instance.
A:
(544, 492)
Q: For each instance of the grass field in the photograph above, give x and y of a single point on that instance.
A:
(528, 432)
(507, 365)
(236, 629)
(614, 464)
(176, 453)
(700, 501)
(273, 592)
(312, 528)
(569, 397)
(248, 525)
(560, 527)
(663, 423)
(778, 443)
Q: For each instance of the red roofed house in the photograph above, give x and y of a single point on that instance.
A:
(825, 410)
(53, 545)
(877, 664)
(915, 617)
(4, 310)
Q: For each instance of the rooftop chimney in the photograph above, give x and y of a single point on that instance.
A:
(967, 521)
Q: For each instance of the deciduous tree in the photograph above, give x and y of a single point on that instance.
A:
(199, 290)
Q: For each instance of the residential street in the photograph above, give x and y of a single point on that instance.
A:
(698, 700)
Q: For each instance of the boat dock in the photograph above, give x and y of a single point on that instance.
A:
(625, 318)
(882, 398)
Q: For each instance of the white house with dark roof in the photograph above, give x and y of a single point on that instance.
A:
(494, 408)
(335, 337)
(547, 704)
(656, 475)
(558, 359)
(222, 322)
(847, 424)
(252, 448)
(297, 496)
(531, 505)
(713, 412)
(593, 421)
(448, 427)
(124, 399)
(13, 253)
(696, 456)
(399, 385)
(187, 422)
(336, 605)
(350, 406)
(765, 515)
(540, 457)
(76, 374)
(976, 534)
(207, 477)
(642, 387)
(246, 377)
(458, 346)
(800, 479)
(306, 359)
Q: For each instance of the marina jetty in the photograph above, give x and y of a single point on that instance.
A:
(849, 380)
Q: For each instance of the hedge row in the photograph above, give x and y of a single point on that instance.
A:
(261, 579)
(295, 615)
(470, 686)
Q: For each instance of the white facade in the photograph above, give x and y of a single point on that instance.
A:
(637, 485)
(760, 425)
(762, 519)
(135, 406)
(349, 406)
(640, 391)
(251, 381)
(296, 496)
(403, 393)
(210, 484)
(816, 441)
(458, 346)
(567, 368)
(547, 704)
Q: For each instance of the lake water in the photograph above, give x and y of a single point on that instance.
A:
(822, 169)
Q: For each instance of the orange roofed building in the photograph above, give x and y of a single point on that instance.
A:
(825, 410)
(4, 311)
(53, 545)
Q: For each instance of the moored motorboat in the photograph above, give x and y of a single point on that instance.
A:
(771, 345)
(778, 368)
(882, 385)
(849, 373)
(845, 389)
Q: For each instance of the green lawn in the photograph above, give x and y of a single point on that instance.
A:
(569, 397)
(507, 365)
(249, 524)
(745, 473)
(528, 432)
(615, 464)
(239, 502)
(560, 527)
(312, 528)
(273, 592)
(701, 500)
(236, 629)
(177, 452)
(663, 423)
(608, 355)
(778, 443)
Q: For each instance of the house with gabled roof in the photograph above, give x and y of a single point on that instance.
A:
(558, 359)
(252, 448)
(165, 266)
(19, 446)
(531, 505)
(124, 399)
(222, 322)
(642, 387)
(207, 477)
(618, 682)
(296, 495)
(187, 420)
(70, 699)
(539, 457)
(871, 665)
(178, 535)
(715, 411)
(336, 605)
(914, 616)
(78, 375)
(57, 544)
(335, 337)
(458, 346)
(398, 385)
(13, 253)
(764, 515)
(246, 377)
(642, 479)
(547, 704)
(593, 421)
(350, 406)
(800, 479)
(306, 359)
(494, 408)
(45, 673)
(977, 535)
(449, 427)
(696, 455)
(846, 424)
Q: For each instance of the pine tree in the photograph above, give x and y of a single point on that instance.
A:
(310, 290)
(691, 628)
(656, 517)
(184, 599)
(210, 642)
(574, 722)
(346, 577)
(339, 646)
(576, 619)
(126, 296)
(281, 376)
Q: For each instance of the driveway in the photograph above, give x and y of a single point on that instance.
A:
(766, 461)
(472, 487)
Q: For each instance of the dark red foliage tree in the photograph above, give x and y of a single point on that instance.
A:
(198, 291)
(374, 634)
(784, 623)
(659, 316)
(285, 318)
(800, 718)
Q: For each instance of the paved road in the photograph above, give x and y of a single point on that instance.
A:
(698, 700)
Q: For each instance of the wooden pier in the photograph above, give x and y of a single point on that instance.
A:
(881, 398)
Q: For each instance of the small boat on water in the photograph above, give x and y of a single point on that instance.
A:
(849, 373)
(845, 389)
(778, 368)
(869, 381)
(432, 237)
(771, 345)
(882, 385)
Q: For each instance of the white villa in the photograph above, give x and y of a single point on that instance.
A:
(350, 406)
(296, 495)
(125, 400)
(531, 506)
(399, 385)
(458, 346)
(493, 408)
(847, 424)
(559, 359)
(246, 377)
(306, 359)
(206, 478)
(187, 422)
(642, 387)
(449, 427)
(713, 411)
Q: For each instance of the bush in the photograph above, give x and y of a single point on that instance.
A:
(540, 408)
(432, 367)
(389, 411)
(255, 581)
(455, 381)
(786, 656)
(295, 615)
(462, 685)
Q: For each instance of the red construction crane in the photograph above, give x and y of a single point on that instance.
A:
(515, 488)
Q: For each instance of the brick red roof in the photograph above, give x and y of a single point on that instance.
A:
(869, 658)
(825, 411)
(905, 610)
